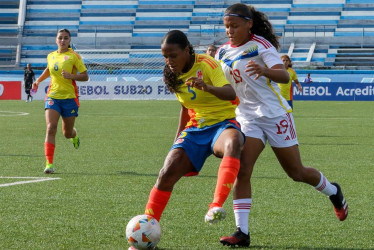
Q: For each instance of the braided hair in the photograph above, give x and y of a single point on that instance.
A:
(170, 78)
(261, 24)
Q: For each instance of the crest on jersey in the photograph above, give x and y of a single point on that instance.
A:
(199, 74)
(66, 58)
(222, 52)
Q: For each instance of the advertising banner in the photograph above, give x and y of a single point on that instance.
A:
(10, 90)
(143, 90)
(335, 91)
(116, 91)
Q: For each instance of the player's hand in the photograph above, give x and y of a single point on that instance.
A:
(254, 69)
(195, 82)
(300, 88)
(66, 75)
(35, 85)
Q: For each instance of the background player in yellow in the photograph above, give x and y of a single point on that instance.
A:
(286, 88)
(62, 96)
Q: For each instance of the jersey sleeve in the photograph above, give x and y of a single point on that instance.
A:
(270, 56)
(215, 74)
(79, 65)
(293, 75)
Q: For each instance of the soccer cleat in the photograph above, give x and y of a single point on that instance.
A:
(49, 168)
(134, 248)
(238, 238)
(215, 214)
(76, 141)
(339, 202)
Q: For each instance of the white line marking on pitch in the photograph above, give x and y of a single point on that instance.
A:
(12, 113)
(35, 179)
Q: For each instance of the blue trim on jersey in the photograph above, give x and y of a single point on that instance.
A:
(229, 62)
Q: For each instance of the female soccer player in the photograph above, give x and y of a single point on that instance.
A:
(286, 88)
(62, 96)
(207, 124)
(251, 63)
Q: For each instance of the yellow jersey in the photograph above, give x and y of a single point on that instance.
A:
(71, 62)
(286, 88)
(205, 109)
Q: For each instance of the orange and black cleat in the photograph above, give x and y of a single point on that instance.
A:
(236, 239)
(340, 204)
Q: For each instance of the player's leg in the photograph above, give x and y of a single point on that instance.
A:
(176, 165)
(290, 160)
(69, 113)
(227, 144)
(242, 193)
(283, 139)
(69, 131)
(51, 116)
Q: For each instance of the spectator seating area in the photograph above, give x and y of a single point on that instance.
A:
(8, 29)
(312, 32)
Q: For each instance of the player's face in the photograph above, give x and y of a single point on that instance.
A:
(175, 57)
(286, 62)
(237, 29)
(63, 40)
(211, 51)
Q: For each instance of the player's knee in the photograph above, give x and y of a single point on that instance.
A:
(167, 177)
(233, 146)
(51, 128)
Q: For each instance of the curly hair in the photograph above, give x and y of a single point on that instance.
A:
(170, 78)
(261, 24)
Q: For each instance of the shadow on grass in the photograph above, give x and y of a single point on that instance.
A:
(336, 144)
(300, 248)
(11, 155)
(131, 173)
(198, 176)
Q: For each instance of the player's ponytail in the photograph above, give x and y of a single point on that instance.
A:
(170, 78)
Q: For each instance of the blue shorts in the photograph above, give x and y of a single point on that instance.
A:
(66, 107)
(290, 102)
(198, 142)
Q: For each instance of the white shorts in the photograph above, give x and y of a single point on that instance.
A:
(280, 131)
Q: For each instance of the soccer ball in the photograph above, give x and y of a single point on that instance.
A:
(143, 232)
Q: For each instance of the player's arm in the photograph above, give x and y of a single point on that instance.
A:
(225, 92)
(298, 84)
(184, 117)
(82, 77)
(277, 73)
(41, 78)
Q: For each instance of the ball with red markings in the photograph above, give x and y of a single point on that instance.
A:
(143, 232)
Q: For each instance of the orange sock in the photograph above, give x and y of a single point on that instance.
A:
(228, 170)
(49, 150)
(157, 202)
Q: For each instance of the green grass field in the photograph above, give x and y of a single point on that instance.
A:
(107, 180)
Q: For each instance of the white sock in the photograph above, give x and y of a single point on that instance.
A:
(242, 207)
(325, 187)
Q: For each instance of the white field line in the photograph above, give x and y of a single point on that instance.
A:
(12, 113)
(34, 179)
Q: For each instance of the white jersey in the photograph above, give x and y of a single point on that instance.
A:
(258, 98)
